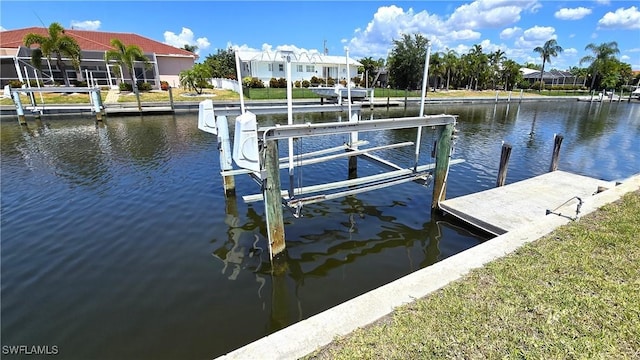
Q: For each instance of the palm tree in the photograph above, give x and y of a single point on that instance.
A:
(190, 48)
(495, 60)
(450, 63)
(55, 44)
(126, 56)
(478, 62)
(602, 54)
(548, 50)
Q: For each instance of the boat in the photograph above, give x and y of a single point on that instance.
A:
(332, 92)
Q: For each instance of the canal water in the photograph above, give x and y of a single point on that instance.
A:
(118, 243)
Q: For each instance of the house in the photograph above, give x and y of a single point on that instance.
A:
(166, 61)
(552, 77)
(266, 65)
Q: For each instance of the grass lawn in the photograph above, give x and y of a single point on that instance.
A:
(180, 95)
(572, 294)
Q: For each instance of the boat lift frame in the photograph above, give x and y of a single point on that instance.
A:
(263, 164)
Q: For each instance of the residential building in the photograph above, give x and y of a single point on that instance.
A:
(166, 61)
(552, 77)
(266, 65)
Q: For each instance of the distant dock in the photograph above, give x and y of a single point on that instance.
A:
(502, 209)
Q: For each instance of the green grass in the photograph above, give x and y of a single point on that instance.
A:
(572, 294)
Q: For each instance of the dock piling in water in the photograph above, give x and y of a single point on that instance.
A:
(443, 153)
(557, 142)
(504, 164)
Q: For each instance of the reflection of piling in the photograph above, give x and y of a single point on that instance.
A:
(557, 142)
(443, 153)
(504, 164)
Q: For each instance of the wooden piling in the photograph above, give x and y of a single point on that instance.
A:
(273, 199)
(504, 164)
(557, 142)
(171, 98)
(443, 153)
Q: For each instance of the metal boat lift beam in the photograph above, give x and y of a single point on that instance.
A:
(280, 132)
(280, 109)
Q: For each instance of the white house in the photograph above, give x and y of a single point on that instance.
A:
(265, 65)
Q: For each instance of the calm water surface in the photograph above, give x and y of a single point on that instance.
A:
(117, 241)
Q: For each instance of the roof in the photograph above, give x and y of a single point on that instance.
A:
(94, 40)
(298, 57)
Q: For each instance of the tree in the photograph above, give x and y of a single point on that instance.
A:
(477, 63)
(406, 61)
(57, 44)
(126, 56)
(602, 54)
(548, 50)
(368, 68)
(450, 63)
(190, 48)
(196, 78)
(511, 74)
(223, 64)
(495, 61)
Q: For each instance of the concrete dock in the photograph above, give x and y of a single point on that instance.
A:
(513, 206)
(302, 338)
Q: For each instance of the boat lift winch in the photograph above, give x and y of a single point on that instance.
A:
(255, 152)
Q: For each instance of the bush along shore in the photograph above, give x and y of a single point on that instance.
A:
(574, 293)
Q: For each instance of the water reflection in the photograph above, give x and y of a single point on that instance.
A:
(320, 251)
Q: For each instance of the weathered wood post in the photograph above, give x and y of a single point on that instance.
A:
(504, 164)
(273, 199)
(171, 98)
(557, 141)
(443, 153)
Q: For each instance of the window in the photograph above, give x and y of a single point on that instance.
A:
(299, 68)
(311, 68)
(281, 67)
(270, 67)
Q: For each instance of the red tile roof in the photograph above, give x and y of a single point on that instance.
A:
(94, 40)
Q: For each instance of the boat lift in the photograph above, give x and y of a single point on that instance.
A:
(255, 152)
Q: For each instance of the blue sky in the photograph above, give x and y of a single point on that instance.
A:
(367, 28)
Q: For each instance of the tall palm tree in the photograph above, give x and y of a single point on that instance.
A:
(450, 63)
(548, 50)
(602, 54)
(495, 61)
(57, 44)
(190, 48)
(478, 62)
(126, 56)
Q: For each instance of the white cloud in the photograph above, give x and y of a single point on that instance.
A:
(85, 24)
(2, 28)
(621, 19)
(186, 37)
(490, 13)
(464, 24)
(572, 14)
(603, 2)
(509, 33)
(535, 36)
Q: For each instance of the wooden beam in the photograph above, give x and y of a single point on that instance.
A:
(273, 200)
(443, 153)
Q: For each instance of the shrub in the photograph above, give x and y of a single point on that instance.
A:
(331, 81)
(123, 86)
(297, 83)
(252, 82)
(164, 85)
(273, 83)
(15, 83)
(305, 83)
(78, 83)
(144, 86)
